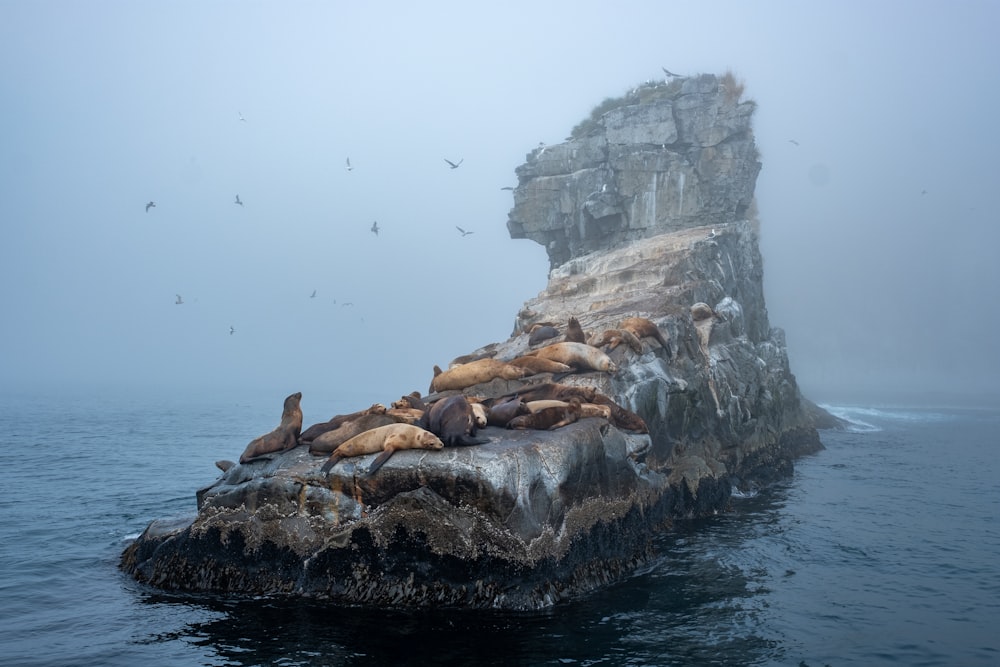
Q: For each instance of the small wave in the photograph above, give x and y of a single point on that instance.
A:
(857, 416)
(740, 494)
(852, 416)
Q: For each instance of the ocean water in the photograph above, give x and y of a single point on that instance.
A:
(884, 549)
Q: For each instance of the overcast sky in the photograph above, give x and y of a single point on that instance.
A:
(878, 231)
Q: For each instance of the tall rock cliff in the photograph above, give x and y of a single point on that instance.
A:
(645, 213)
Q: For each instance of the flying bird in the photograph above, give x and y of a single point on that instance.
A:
(454, 165)
(231, 331)
(349, 167)
(668, 72)
(313, 295)
(375, 228)
(238, 200)
(348, 303)
(241, 116)
(923, 192)
(793, 141)
(150, 205)
(506, 187)
(179, 300)
(464, 233)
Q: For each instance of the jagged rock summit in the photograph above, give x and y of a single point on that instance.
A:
(646, 212)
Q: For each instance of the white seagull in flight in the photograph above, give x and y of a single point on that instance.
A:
(454, 165)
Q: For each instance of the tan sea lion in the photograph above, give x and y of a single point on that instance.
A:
(549, 418)
(407, 415)
(644, 328)
(539, 365)
(224, 465)
(386, 439)
(503, 411)
(286, 436)
(479, 413)
(586, 409)
(553, 390)
(574, 332)
(578, 355)
(316, 430)
(541, 332)
(474, 372)
(327, 442)
(452, 419)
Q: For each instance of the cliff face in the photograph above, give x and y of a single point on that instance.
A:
(671, 157)
(534, 516)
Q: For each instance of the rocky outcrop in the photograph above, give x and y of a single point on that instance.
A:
(534, 516)
(666, 157)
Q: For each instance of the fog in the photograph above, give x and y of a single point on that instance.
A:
(877, 232)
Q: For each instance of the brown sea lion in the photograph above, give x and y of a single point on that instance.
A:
(586, 409)
(224, 465)
(316, 430)
(644, 328)
(541, 332)
(578, 355)
(553, 390)
(701, 311)
(503, 411)
(539, 365)
(474, 372)
(615, 337)
(327, 442)
(452, 419)
(574, 332)
(411, 400)
(386, 439)
(621, 417)
(549, 418)
(286, 436)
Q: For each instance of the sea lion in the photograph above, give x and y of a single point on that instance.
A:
(578, 355)
(701, 311)
(644, 328)
(467, 358)
(479, 413)
(503, 411)
(549, 418)
(541, 332)
(553, 390)
(411, 400)
(538, 365)
(586, 409)
(615, 337)
(621, 417)
(327, 442)
(286, 436)
(224, 465)
(408, 415)
(386, 439)
(474, 372)
(574, 332)
(453, 420)
(316, 430)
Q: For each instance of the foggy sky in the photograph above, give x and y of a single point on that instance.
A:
(885, 292)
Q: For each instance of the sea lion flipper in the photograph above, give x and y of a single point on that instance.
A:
(380, 459)
(468, 440)
(330, 462)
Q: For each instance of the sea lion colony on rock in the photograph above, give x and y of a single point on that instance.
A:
(454, 420)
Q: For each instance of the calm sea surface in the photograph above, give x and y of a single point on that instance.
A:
(882, 549)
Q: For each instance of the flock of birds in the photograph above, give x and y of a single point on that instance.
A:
(375, 229)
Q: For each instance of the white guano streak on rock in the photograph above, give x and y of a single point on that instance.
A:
(680, 193)
(651, 202)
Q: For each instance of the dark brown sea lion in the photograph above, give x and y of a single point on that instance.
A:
(503, 411)
(286, 436)
(615, 337)
(540, 333)
(452, 419)
(621, 417)
(474, 372)
(644, 328)
(327, 442)
(549, 418)
(386, 439)
(553, 390)
(574, 332)
(316, 430)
